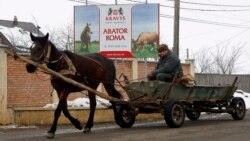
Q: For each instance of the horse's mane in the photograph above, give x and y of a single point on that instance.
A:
(86, 29)
(55, 49)
(68, 53)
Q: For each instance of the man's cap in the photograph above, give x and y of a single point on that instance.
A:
(162, 47)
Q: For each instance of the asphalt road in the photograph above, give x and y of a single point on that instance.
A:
(210, 127)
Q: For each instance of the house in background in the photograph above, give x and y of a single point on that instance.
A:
(15, 34)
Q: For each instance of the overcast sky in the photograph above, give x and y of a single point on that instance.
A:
(204, 24)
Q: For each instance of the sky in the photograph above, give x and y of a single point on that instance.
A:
(204, 24)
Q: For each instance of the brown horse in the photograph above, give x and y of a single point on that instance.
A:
(90, 69)
(86, 38)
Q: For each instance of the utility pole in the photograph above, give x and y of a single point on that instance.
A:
(176, 26)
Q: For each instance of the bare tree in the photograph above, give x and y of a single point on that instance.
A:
(222, 61)
(226, 57)
(204, 62)
(62, 37)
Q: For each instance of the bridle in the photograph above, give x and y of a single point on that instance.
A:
(47, 54)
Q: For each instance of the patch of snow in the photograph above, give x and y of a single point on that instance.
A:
(53, 105)
(82, 102)
(14, 126)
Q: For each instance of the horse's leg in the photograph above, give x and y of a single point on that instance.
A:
(89, 42)
(144, 45)
(152, 46)
(138, 47)
(82, 45)
(87, 46)
(57, 113)
(92, 100)
(74, 121)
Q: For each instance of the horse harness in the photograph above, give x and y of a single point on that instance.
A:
(71, 68)
(70, 71)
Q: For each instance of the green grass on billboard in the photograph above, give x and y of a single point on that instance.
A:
(147, 52)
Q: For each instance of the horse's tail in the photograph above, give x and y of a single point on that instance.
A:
(112, 69)
(112, 72)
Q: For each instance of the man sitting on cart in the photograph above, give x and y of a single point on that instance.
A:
(169, 65)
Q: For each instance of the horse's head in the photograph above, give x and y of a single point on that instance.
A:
(38, 48)
(87, 28)
(39, 51)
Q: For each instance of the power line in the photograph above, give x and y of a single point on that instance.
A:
(230, 38)
(206, 22)
(182, 8)
(182, 18)
(215, 10)
(198, 9)
(217, 5)
(209, 10)
(89, 2)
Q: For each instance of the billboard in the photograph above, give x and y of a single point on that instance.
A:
(117, 31)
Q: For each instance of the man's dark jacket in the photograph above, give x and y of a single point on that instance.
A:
(169, 64)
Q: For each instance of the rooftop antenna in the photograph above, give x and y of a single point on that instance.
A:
(37, 26)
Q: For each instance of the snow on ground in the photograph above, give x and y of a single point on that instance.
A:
(103, 103)
(82, 102)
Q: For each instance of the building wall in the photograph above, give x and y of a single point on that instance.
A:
(5, 113)
(25, 89)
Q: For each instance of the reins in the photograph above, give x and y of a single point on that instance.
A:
(119, 82)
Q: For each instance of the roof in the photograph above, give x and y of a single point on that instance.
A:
(15, 34)
(3, 45)
(27, 26)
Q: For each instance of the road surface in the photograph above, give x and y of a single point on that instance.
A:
(210, 127)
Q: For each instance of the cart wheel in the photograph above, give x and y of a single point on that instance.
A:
(239, 107)
(124, 120)
(193, 115)
(174, 113)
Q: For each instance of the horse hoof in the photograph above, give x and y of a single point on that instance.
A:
(79, 127)
(86, 130)
(50, 135)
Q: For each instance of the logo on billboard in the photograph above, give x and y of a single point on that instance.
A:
(115, 15)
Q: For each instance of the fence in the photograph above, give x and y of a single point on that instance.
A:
(216, 79)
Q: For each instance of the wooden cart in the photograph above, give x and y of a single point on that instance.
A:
(175, 101)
